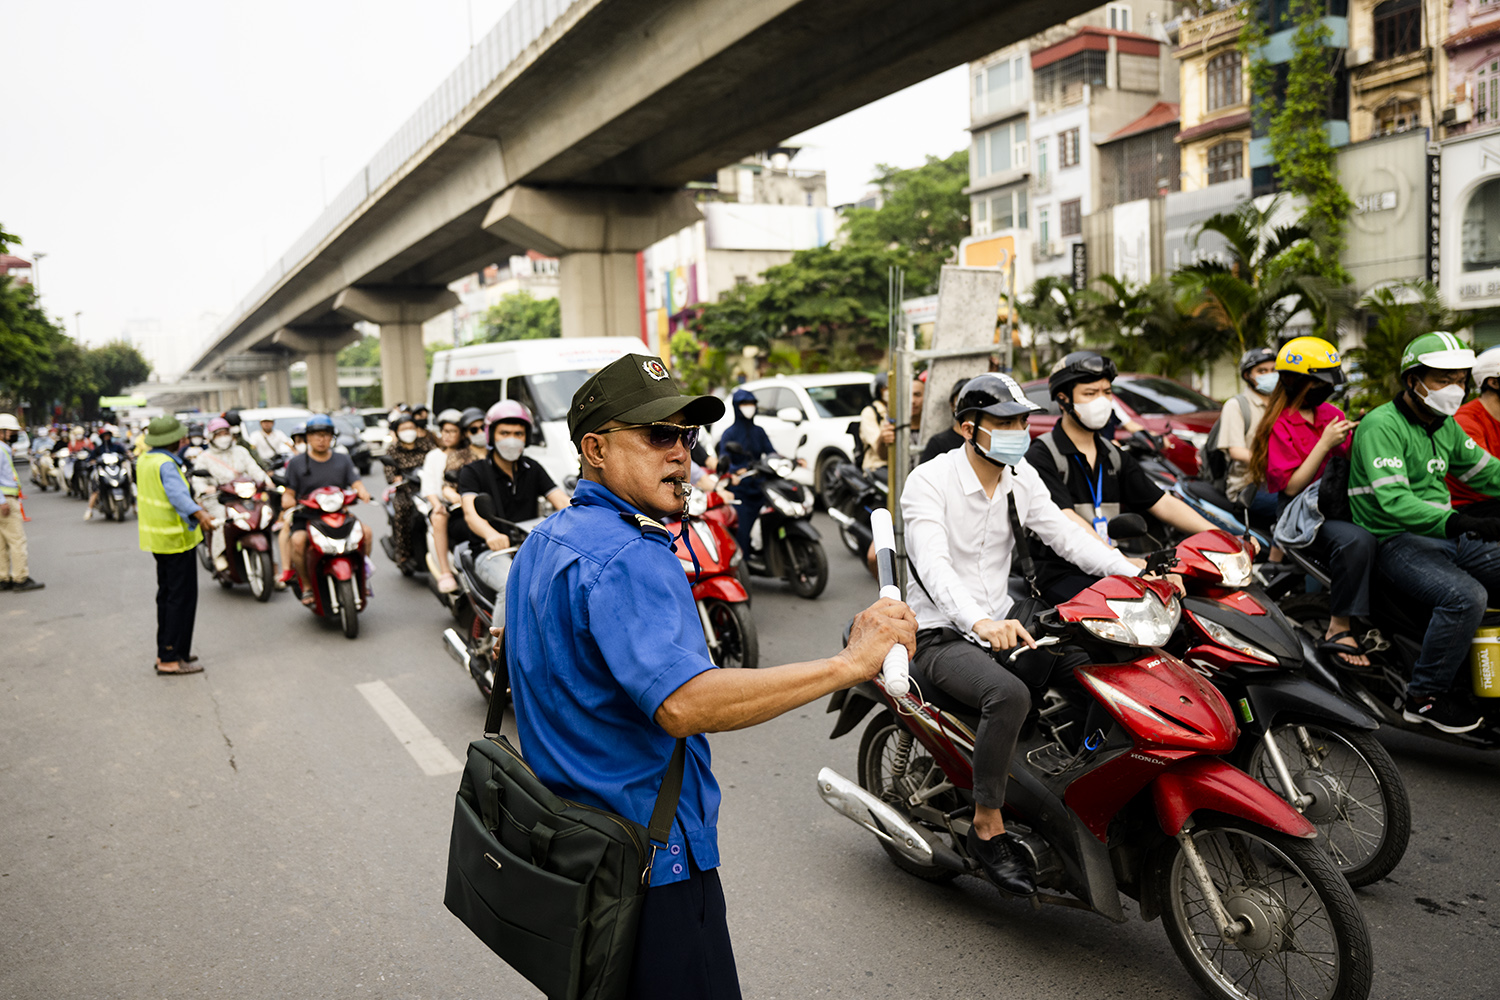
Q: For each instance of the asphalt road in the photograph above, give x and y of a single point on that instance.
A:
(258, 831)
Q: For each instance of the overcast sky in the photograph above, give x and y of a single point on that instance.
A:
(163, 153)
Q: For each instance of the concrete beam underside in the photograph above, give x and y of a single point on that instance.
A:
(319, 347)
(400, 313)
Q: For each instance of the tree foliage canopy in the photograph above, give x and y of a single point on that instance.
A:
(522, 316)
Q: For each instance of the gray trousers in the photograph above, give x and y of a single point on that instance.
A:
(968, 672)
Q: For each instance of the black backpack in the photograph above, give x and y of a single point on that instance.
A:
(1214, 469)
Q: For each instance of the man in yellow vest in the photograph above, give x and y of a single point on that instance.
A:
(171, 526)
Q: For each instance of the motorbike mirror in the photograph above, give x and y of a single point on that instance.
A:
(1125, 526)
(790, 414)
(733, 447)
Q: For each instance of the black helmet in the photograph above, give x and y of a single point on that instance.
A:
(1080, 366)
(470, 416)
(995, 394)
(1255, 356)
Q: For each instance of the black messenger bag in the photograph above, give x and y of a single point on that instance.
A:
(553, 887)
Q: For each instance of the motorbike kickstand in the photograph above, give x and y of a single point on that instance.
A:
(1229, 928)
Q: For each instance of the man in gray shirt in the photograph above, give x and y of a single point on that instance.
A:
(319, 466)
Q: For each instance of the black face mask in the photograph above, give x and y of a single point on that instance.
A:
(421, 422)
(1318, 395)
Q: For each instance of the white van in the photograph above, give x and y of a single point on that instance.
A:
(543, 374)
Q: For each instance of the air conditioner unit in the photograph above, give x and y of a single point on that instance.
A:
(1459, 114)
(1359, 56)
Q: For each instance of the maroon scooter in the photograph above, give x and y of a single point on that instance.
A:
(247, 537)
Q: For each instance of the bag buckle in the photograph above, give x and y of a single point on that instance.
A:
(650, 865)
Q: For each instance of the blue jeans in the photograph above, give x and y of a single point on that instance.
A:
(1455, 576)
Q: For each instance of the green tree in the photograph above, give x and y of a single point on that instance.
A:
(521, 316)
(1149, 328)
(363, 353)
(1053, 310)
(117, 365)
(924, 212)
(39, 363)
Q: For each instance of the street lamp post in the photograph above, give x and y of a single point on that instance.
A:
(36, 271)
(78, 326)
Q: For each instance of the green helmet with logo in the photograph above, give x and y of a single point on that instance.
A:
(1437, 350)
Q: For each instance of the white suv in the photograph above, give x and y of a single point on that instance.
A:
(820, 406)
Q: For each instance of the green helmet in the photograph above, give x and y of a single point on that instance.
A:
(1437, 350)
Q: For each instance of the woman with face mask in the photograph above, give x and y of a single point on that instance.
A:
(407, 452)
(1299, 433)
(224, 459)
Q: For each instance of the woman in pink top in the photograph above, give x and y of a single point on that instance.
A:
(1293, 443)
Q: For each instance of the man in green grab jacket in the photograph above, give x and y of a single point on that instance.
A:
(1403, 452)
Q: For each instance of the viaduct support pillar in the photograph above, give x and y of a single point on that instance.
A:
(596, 234)
(279, 388)
(399, 311)
(319, 346)
(249, 392)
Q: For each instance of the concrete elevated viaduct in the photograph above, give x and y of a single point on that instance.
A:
(571, 130)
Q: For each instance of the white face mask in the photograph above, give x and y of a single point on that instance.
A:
(223, 441)
(1446, 400)
(301, 447)
(477, 439)
(509, 448)
(407, 434)
(748, 411)
(1095, 413)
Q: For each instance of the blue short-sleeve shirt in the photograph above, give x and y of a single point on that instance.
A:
(600, 628)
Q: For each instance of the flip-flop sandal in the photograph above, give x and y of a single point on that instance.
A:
(1342, 650)
(182, 668)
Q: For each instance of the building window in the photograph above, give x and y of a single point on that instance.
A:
(1044, 226)
(1067, 148)
(1070, 218)
(1000, 149)
(1008, 210)
(980, 216)
(1398, 28)
(1062, 82)
(1226, 162)
(1481, 228)
(1119, 16)
(1487, 93)
(1223, 80)
(1397, 115)
(1000, 85)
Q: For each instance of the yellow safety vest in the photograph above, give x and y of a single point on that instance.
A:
(162, 528)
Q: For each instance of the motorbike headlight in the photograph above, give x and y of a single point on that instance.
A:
(265, 516)
(1224, 637)
(356, 534)
(244, 490)
(111, 458)
(1233, 567)
(331, 502)
(785, 506)
(781, 466)
(1145, 621)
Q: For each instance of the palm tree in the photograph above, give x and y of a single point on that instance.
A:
(1261, 280)
(1401, 313)
(1147, 328)
(1054, 314)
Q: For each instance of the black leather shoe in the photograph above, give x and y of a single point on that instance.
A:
(6, 585)
(1005, 862)
(27, 584)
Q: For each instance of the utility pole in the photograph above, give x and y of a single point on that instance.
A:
(78, 327)
(36, 271)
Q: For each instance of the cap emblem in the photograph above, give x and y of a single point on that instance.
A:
(655, 369)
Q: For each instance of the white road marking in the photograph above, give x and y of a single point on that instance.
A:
(426, 749)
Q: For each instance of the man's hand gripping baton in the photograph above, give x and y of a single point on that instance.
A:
(894, 673)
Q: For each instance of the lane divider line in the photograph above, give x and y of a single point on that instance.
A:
(426, 749)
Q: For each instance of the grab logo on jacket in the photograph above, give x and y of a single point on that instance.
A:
(1388, 463)
(1437, 466)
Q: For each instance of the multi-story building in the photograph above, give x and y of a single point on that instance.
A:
(1039, 109)
(1215, 83)
(1467, 238)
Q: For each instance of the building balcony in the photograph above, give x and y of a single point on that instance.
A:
(1194, 34)
(1367, 76)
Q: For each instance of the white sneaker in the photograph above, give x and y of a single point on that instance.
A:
(88, 515)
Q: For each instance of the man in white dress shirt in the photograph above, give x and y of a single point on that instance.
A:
(959, 542)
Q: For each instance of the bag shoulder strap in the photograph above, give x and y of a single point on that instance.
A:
(1057, 455)
(1113, 452)
(1022, 545)
(1244, 402)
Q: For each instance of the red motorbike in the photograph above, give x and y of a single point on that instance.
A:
(247, 537)
(1140, 805)
(336, 538)
(704, 541)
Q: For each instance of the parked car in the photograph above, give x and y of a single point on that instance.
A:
(820, 406)
(1162, 406)
(377, 432)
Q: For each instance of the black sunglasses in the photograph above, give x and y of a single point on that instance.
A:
(476, 428)
(662, 435)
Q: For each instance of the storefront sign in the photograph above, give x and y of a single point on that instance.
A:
(1469, 217)
(1080, 266)
(1434, 214)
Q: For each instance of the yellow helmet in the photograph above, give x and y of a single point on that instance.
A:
(1312, 356)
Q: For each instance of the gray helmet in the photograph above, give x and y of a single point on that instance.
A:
(470, 416)
(1255, 356)
(996, 394)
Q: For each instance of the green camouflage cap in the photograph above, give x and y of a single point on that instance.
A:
(635, 389)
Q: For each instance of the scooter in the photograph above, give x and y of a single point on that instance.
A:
(424, 555)
(851, 495)
(1392, 637)
(471, 646)
(247, 537)
(335, 538)
(783, 543)
(711, 560)
(1308, 744)
(1142, 805)
(74, 468)
(116, 487)
(44, 470)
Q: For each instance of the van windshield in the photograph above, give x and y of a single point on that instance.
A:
(552, 392)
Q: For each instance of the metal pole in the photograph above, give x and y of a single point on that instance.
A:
(36, 272)
(1010, 311)
(900, 412)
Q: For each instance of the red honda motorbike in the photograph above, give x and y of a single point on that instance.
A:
(335, 537)
(247, 537)
(705, 544)
(1141, 805)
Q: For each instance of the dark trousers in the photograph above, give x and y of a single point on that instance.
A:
(682, 950)
(176, 604)
(1349, 552)
(970, 674)
(1453, 576)
(751, 497)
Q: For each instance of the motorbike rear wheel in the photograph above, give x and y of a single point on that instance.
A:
(734, 628)
(880, 752)
(258, 572)
(1306, 936)
(807, 567)
(348, 609)
(1360, 804)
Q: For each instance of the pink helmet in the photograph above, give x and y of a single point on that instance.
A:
(217, 424)
(506, 411)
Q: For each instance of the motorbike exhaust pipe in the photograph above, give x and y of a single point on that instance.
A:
(848, 799)
(454, 644)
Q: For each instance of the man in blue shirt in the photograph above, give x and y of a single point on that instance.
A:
(609, 666)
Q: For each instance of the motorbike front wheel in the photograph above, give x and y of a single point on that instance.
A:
(734, 628)
(348, 609)
(807, 567)
(851, 541)
(893, 766)
(1359, 806)
(1302, 932)
(258, 572)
